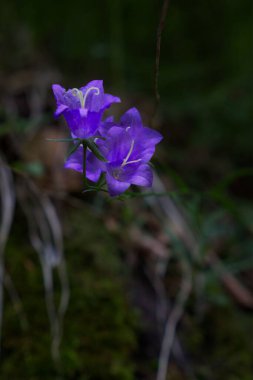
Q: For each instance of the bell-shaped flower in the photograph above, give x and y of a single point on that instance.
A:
(83, 108)
(127, 149)
(128, 152)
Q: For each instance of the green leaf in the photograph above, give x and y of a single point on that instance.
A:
(94, 148)
(35, 168)
(74, 148)
(64, 140)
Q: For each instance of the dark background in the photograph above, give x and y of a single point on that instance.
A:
(205, 115)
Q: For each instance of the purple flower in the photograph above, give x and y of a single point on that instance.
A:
(83, 108)
(127, 148)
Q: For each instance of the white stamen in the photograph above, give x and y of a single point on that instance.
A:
(87, 93)
(117, 172)
(125, 161)
(83, 97)
(79, 94)
(128, 154)
(132, 162)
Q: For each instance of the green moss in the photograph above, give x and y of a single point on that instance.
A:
(220, 346)
(99, 327)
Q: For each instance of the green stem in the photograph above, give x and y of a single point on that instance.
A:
(85, 182)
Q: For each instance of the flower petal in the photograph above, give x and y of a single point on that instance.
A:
(119, 144)
(135, 173)
(81, 126)
(65, 98)
(150, 135)
(145, 142)
(75, 161)
(93, 167)
(110, 99)
(60, 109)
(143, 176)
(131, 118)
(106, 125)
(58, 91)
(109, 119)
(93, 94)
(115, 187)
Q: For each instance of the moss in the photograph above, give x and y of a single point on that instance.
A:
(219, 345)
(99, 327)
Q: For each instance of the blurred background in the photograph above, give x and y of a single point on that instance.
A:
(94, 288)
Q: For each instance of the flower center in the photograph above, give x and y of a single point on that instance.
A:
(83, 97)
(116, 173)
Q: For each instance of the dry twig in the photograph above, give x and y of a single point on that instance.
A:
(158, 46)
(7, 196)
(46, 238)
(173, 219)
(173, 320)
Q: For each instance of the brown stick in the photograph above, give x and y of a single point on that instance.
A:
(158, 47)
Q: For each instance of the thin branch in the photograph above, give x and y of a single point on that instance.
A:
(173, 320)
(173, 219)
(46, 238)
(85, 182)
(236, 289)
(158, 47)
(7, 205)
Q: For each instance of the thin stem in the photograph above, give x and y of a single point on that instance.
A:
(160, 29)
(85, 182)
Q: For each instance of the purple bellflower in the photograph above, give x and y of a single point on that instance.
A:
(127, 148)
(83, 108)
